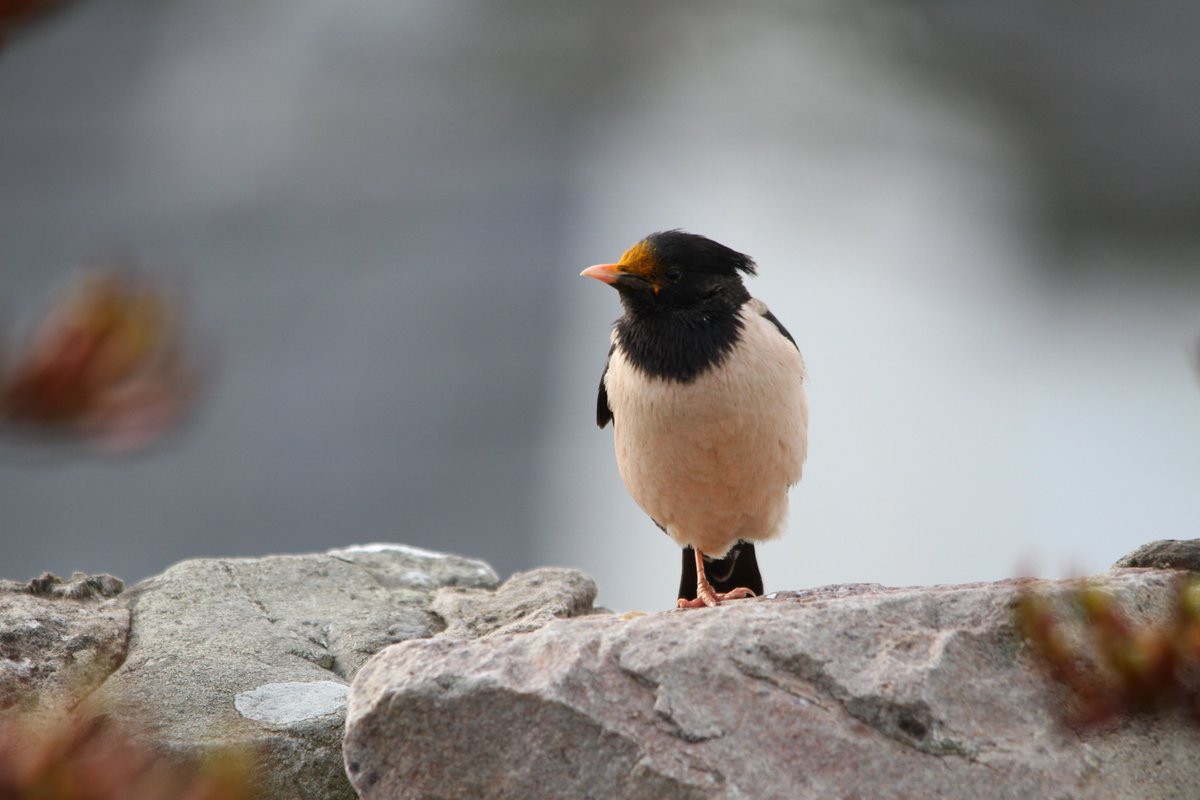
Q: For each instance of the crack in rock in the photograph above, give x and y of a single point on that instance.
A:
(911, 724)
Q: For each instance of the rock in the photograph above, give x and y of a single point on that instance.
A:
(524, 690)
(842, 692)
(256, 653)
(1165, 554)
(526, 602)
(404, 566)
(57, 641)
(78, 587)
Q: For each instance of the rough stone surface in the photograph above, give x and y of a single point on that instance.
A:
(842, 692)
(255, 654)
(526, 602)
(58, 641)
(218, 645)
(1165, 554)
(80, 586)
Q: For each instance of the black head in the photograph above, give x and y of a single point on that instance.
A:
(674, 270)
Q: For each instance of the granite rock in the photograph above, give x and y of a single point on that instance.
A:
(256, 653)
(1165, 554)
(475, 689)
(59, 640)
(842, 692)
(526, 602)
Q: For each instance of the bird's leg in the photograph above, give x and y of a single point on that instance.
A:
(704, 591)
(705, 596)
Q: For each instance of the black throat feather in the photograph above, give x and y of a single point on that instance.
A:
(681, 344)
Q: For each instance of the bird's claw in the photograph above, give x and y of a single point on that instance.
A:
(710, 599)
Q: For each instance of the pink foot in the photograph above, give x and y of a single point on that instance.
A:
(711, 598)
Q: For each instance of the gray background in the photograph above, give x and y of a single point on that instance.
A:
(979, 221)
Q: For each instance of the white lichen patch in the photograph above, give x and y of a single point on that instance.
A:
(291, 702)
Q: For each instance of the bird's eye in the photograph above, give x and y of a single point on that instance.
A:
(673, 273)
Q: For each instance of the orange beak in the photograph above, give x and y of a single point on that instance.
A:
(607, 273)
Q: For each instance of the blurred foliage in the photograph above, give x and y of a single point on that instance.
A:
(107, 364)
(89, 757)
(1111, 666)
(15, 13)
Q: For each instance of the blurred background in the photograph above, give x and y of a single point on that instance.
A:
(980, 221)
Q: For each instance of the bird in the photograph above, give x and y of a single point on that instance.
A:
(705, 390)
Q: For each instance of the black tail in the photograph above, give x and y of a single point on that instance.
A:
(737, 570)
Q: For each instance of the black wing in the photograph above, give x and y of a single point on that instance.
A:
(774, 320)
(737, 570)
(603, 412)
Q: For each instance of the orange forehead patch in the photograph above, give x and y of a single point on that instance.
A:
(640, 260)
